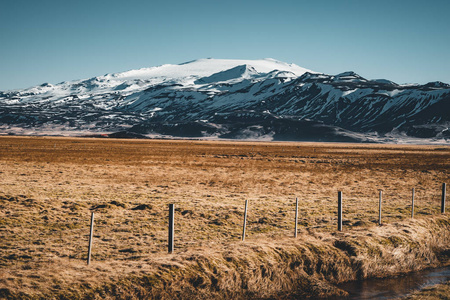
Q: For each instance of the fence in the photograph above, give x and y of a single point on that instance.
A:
(340, 217)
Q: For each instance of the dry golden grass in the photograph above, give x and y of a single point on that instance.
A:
(49, 186)
(435, 292)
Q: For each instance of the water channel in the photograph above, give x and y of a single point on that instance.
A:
(400, 286)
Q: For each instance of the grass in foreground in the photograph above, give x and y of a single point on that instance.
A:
(49, 186)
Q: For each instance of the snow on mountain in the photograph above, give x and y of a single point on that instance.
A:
(188, 72)
(233, 99)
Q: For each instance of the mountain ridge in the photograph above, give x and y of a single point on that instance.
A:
(200, 93)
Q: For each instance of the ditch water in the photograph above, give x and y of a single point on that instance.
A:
(394, 287)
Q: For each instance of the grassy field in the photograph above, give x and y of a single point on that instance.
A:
(50, 186)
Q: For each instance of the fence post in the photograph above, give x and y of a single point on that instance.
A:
(412, 204)
(340, 211)
(296, 216)
(443, 198)
(245, 220)
(171, 227)
(91, 235)
(379, 207)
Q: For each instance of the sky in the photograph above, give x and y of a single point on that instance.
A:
(407, 41)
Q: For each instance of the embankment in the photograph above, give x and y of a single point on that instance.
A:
(308, 266)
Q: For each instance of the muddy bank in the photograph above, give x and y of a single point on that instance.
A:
(397, 286)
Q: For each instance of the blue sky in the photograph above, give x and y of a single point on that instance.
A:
(53, 41)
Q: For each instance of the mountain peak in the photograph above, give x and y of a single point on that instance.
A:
(437, 84)
(348, 76)
(385, 81)
(238, 72)
(191, 71)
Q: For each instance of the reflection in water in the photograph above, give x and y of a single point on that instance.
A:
(389, 288)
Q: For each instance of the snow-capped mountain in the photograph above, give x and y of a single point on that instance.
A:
(232, 99)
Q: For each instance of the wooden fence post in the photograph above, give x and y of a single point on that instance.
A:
(245, 220)
(171, 227)
(91, 235)
(340, 211)
(379, 207)
(296, 216)
(412, 204)
(443, 198)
